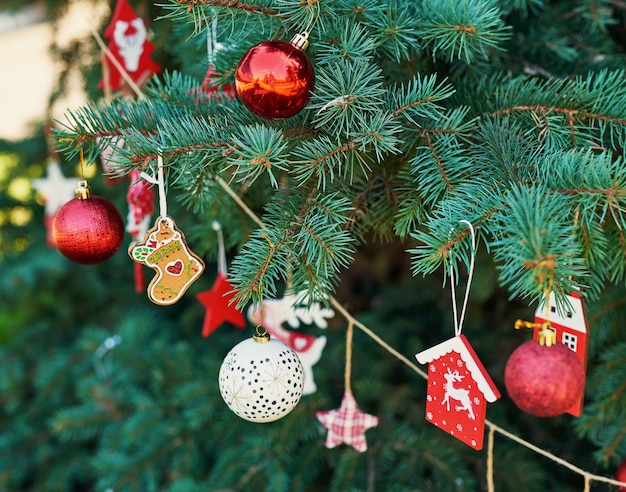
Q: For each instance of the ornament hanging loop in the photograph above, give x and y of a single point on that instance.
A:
(212, 45)
(545, 335)
(83, 190)
(313, 18)
(102, 370)
(348, 368)
(159, 180)
(82, 164)
(221, 250)
(260, 334)
(458, 321)
(301, 40)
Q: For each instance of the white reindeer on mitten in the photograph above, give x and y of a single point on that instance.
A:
(289, 309)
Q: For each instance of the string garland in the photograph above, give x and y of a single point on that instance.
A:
(490, 485)
(348, 369)
(221, 248)
(493, 428)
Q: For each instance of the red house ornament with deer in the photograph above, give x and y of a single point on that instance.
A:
(459, 388)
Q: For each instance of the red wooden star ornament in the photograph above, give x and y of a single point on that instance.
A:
(218, 306)
(217, 300)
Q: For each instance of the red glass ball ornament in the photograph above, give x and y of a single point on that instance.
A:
(274, 79)
(88, 229)
(544, 381)
(620, 475)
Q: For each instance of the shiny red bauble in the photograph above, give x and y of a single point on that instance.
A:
(544, 381)
(88, 229)
(620, 475)
(274, 79)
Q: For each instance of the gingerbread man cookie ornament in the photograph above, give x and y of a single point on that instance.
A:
(164, 249)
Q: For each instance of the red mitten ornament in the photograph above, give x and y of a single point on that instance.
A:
(274, 79)
(459, 388)
(140, 198)
(88, 229)
(129, 45)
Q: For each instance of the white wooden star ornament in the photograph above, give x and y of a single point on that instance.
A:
(56, 190)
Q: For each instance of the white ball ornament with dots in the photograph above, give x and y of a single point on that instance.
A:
(261, 380)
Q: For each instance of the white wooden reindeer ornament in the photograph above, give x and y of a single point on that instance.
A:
(293, 310)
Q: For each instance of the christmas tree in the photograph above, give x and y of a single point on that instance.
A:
(404, 132)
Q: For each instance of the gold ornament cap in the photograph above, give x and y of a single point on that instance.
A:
(545, 335)
(83, 191)
(261, 335)
(301, 41)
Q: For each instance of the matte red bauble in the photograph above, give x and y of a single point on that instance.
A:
(88, 229)
(274, 79)
(620, 475)
(544, 381)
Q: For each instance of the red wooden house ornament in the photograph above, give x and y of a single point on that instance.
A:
(570, 329)
(458, 390)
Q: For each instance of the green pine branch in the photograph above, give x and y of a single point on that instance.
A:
(462, 30)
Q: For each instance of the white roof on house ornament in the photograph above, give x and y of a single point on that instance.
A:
(460, 345)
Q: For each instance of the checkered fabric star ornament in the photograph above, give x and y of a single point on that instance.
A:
(347, 424)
